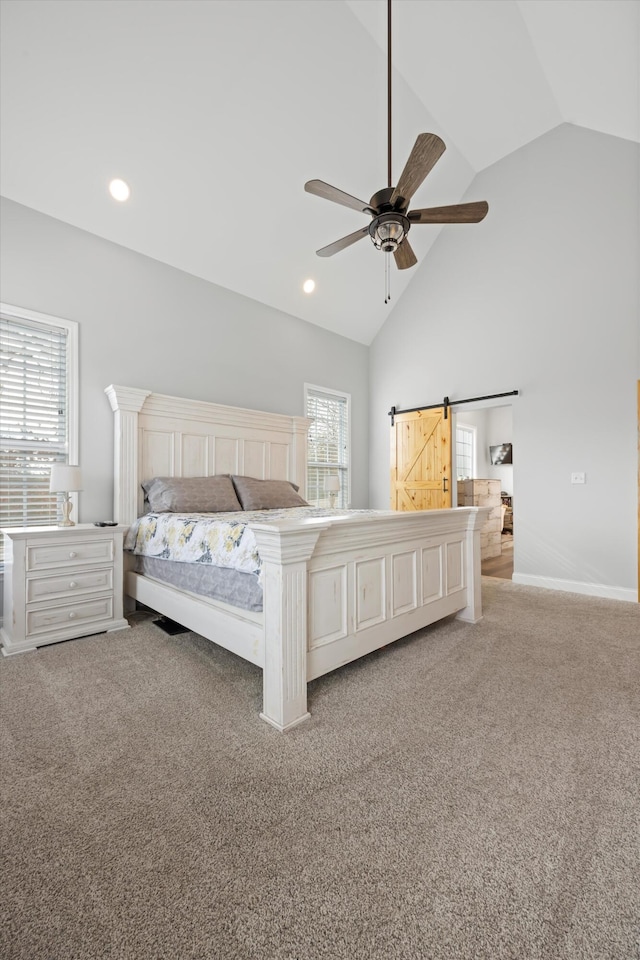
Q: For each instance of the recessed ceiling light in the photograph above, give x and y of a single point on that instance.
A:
(309, 286)
(119, 190)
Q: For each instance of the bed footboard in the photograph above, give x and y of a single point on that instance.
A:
(336, 590)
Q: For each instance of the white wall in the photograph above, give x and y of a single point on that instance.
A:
(144, 324)
(499, 429)
(541, 297)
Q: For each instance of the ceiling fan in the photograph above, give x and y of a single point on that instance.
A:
(389, 207)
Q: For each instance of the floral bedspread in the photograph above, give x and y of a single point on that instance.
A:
(219, 539)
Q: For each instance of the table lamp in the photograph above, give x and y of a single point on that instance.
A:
(332, 487)
(65, 479)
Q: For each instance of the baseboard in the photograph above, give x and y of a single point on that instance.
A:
(577, 586)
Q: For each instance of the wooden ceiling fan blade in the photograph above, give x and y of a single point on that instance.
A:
(404, 256)
(426, 152)
(321, 189)
(457, 213)
(339, 245)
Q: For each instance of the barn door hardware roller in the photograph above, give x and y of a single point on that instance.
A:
(446, 403)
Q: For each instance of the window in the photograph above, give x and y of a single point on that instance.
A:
(328, 445)
(465, 452)
(38, 412)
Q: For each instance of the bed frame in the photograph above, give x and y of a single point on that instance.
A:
(334, 589)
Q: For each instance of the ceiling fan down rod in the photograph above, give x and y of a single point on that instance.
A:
(389, 91)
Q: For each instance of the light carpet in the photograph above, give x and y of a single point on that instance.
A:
(468, 793)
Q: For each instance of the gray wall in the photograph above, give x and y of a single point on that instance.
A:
(144, 324)
(541, 297)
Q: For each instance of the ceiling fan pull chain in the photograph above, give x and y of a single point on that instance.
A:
(387, 279)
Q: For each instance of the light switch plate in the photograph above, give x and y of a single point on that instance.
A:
(578, 478)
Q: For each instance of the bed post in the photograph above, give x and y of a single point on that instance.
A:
(300, 430)
(126, 403)
(472, 613)
(284, 554)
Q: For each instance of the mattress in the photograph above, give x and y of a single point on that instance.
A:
(218, 583)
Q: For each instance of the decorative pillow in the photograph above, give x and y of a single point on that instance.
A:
(257, 494)
(191, 494)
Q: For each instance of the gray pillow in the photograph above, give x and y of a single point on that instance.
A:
(191, 494)
(257, 494)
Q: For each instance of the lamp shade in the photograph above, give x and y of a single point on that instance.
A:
(64, 478)
(332, 484)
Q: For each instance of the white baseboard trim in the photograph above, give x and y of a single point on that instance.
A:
(577, 586)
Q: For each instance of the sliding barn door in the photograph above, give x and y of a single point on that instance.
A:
(421, 460)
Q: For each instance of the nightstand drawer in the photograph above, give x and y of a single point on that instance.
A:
(74, 615)
(76, 582)
(73, 553)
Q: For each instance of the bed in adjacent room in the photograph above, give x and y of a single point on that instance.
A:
(298, 591)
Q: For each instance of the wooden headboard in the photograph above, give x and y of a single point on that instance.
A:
(161, 436)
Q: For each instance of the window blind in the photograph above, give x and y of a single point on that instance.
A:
(328, 445)
(33, 418)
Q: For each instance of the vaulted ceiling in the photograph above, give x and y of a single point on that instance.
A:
(216, 112)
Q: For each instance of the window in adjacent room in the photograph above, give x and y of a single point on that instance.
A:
(465, 452)
(328, 451)
(38, 412)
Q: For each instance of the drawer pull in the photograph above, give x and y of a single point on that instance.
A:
(72, 615)
(73, 584)
(72, 554)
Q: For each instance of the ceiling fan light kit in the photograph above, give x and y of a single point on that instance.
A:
(389, 207)
(388, 231)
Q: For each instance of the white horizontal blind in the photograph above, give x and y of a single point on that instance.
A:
(328, 451)
(34, 417)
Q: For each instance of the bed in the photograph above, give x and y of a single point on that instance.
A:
(335, 587)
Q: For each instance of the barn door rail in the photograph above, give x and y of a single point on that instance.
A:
(446, 403)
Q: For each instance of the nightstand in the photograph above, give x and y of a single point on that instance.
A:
(61, 583)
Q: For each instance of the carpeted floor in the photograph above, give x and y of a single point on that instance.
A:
(469, 793)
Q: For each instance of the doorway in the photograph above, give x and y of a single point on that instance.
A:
(485, 476)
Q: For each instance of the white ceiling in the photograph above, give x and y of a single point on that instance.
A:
(217, 111)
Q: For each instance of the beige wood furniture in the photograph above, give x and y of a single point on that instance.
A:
(335, 588)
(60, 583)
(485, 493)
